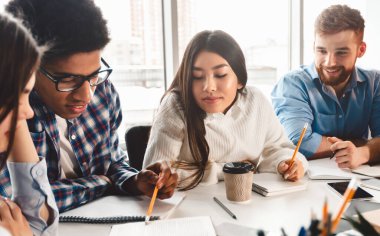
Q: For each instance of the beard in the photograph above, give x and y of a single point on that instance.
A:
(334, 80)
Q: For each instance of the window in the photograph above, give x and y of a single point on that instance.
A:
(2, 4)
(260, 29)
(136, 55)
(136, 51)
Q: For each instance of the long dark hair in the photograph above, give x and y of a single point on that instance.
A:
(19, 56)
(225, 46)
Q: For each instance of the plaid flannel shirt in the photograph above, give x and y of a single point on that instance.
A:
(94, 140)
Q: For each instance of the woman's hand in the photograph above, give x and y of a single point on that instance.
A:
(23, 149)
(293, 172)
(12, 219)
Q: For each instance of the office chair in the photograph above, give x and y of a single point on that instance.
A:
(136, 140)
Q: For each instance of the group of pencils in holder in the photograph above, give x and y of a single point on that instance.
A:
(328, 225)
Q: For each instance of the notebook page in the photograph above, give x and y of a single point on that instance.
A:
(271, 182)
(373, 217)
(371, 183)
(189, 226)
(328, 169)
(373, 171)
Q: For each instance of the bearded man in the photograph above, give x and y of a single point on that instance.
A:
(339, 101)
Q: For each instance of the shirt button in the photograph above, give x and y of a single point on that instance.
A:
(73, 137)
(39, 172)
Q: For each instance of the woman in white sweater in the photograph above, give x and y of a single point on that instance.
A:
(209, 117)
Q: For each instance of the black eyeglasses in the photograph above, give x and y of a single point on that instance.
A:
(70, 82)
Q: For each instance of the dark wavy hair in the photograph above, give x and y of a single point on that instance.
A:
(67, 26)
(225, 46)
(19, 58)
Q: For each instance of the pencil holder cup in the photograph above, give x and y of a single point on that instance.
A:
(238, 177)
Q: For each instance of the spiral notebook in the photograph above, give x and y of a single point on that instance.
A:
(121, 209)
(104, 220)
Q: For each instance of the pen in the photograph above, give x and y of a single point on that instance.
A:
(348, 194)
(150, 208)
(225, 208)
(283, 232)
(328, 224)
(302, 232)
(313, 228)
(298, 145)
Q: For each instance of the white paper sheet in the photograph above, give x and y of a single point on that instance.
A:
(127, 206)
(189, 226)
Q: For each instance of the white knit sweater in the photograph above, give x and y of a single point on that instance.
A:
(248, 131)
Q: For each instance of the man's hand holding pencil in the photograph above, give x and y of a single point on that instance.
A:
(157, 174)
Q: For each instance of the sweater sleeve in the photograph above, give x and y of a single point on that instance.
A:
(277, 147)
(167, 135)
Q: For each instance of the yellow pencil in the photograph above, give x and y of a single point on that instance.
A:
(298, 145)
(325, 213)
(150, 208)
(348, 194)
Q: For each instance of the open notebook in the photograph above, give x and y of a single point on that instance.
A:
(373, 171)
(189, 226)
(111, 207)
(328, 169)
(271, 184)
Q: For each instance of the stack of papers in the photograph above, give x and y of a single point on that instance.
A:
(189, 226)
(328, 169)
(270, 184)
(371, 183)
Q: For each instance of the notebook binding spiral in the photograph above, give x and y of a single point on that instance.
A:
(104, 220)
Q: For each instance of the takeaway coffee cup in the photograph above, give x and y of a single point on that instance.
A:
(238, 180)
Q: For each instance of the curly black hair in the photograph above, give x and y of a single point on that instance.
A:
(67, 26)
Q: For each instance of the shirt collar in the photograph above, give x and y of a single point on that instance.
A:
(235, 109)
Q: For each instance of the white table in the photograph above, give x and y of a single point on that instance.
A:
(289, 211)
(269, 213)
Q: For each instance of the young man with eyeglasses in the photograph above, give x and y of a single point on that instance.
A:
(77, 109)
(339, 101)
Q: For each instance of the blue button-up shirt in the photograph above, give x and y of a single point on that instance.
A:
(31, 189)
(300, 97)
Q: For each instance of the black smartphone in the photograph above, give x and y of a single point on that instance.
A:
(340, 187)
